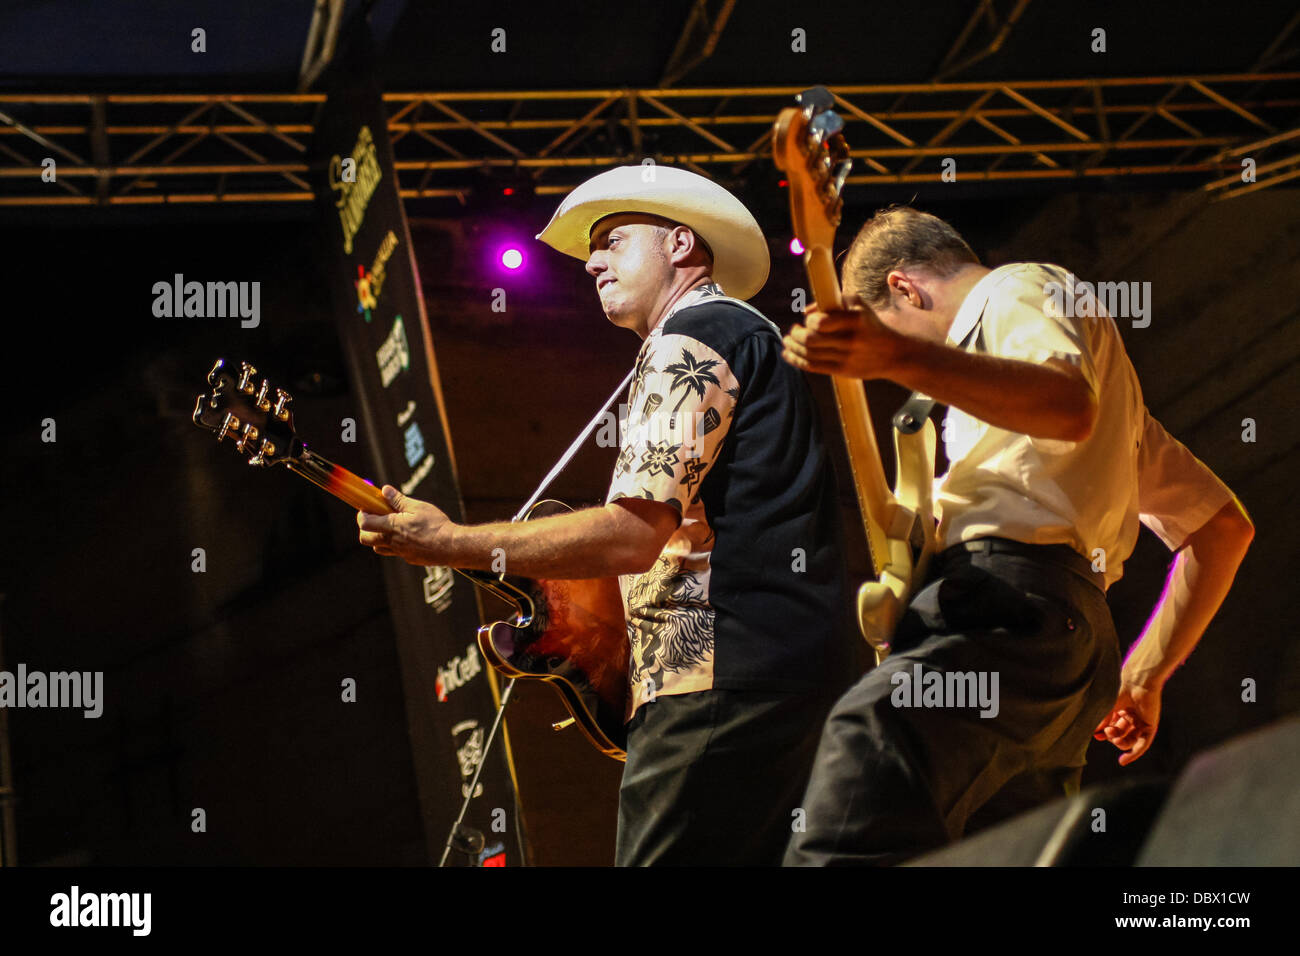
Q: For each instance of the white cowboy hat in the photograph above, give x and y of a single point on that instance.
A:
(740, 257)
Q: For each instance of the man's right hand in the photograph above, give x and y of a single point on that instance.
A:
(1132, 722)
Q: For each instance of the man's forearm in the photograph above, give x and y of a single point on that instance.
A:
(1198, 582)
(1036, 400)
(593, 543)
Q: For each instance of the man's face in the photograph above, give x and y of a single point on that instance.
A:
(630, 263)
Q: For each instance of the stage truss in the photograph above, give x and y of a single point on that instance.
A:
(186, 148)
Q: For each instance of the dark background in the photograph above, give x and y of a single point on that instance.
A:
(222, 687)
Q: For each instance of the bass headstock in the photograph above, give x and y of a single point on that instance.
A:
(808, 146)
(254, 414)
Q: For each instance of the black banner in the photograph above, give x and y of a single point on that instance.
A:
(450, 694)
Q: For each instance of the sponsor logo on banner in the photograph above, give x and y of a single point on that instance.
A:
(458, 672)
(370, 284)
(394, 356)
(437, 587)
(494, 855)
(365, 293)
(467, 736)
(417, 476)
(414, 442)
(355, 183)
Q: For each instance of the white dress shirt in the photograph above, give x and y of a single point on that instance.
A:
(1091, 494)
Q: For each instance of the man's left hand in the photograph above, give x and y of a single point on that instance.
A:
(417, 532)
(851, 342)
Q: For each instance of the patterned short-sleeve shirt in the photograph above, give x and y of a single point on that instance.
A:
(747, 591)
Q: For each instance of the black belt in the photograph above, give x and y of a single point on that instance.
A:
(1059, 554)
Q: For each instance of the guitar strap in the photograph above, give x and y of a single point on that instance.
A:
(912, 415)
(599, 417)
(573, 449)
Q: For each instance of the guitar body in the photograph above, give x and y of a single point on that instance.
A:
(881, 602)
(571, 634)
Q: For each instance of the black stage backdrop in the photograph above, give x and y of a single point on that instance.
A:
(450, 692)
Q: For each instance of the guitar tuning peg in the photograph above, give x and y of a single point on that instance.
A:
(825, 125)
(249, 434)
(229, 424)
(262, 401)
(841, 174)
(246, 378)
(282, 400)
(815, 99)
(268, 448)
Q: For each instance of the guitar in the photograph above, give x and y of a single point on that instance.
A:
(571, 634)
(808, 146)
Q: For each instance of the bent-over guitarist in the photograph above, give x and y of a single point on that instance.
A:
(1054, 460)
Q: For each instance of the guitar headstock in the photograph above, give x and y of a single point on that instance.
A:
(255, 414)
(808, 146)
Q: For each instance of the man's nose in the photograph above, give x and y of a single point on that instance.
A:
(596, 263)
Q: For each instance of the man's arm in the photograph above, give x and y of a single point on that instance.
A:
(1048, 400)
(1199, 579)
(622, 537)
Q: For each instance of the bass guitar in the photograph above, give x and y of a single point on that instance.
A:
(808, 146)
(569, 633)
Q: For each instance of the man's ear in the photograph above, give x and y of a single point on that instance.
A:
(685, 245)
(901, 285)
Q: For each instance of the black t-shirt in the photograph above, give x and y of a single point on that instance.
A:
(749, 592)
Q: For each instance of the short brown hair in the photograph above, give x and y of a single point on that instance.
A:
(900, 236)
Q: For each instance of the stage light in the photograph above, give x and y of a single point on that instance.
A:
(796, 247)
(512, 258)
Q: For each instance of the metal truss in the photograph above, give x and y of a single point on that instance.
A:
(129, 149)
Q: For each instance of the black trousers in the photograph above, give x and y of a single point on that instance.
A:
(895, 775)
(715, 777)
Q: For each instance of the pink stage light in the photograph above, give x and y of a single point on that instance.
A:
(512, 258)
(796, 247)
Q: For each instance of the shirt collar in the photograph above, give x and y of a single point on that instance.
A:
(694, 297)
(972, 308)
(697, 295)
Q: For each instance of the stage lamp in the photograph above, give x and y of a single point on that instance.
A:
(512, 258)
(796, 247)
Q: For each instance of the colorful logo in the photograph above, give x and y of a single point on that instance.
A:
(371, 282)
(365, 297)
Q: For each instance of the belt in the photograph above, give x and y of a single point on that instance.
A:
(1059, 554)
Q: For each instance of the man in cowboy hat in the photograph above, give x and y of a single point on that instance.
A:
(720, 522)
